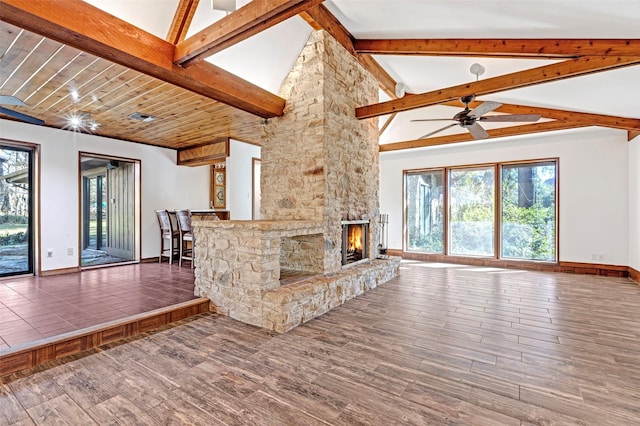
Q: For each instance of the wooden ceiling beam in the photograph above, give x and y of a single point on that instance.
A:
(493, 133)
(182, 20)
(502, 48)
(319, 17)
(249, 20)
(632, 134)
(530, 77)
(108, 37)
(565, 115)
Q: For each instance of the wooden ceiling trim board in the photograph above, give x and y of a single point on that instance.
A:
(632, 134)
(113, 101)
(63, 79)
(19, 67)
(106, 36)
(502, 48)
(493, 133)
(104, 69)
(56, 71)
(319, 17)
(121, 74)
(37, 73)
(249, 20)
(559, 114)
(182, 20)
(530, 77)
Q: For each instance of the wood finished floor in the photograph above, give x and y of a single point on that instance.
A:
(437, 345)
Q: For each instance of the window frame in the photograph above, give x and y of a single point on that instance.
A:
(498, 199)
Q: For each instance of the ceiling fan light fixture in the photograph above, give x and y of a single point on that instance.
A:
(477, 70)
(224, 5)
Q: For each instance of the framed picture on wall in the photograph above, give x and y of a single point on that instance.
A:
(219, 189)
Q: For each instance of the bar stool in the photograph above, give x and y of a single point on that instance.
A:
(167, 234)
(187, 241)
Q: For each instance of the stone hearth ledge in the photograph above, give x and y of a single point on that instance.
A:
(238, 269)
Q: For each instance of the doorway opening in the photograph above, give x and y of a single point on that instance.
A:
(16, 209)
(110, 206)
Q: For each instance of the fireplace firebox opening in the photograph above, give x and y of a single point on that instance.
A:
(354, 241)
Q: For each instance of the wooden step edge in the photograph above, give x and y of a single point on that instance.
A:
(32, 354)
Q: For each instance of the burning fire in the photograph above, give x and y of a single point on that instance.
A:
(355, 238)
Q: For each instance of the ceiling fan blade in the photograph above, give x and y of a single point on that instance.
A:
(477, 131)
(432, 119)
(10, 100)
(20, 116)
(484, 108)
(438, 131)
(511, 118)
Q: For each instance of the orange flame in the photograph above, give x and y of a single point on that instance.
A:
(355, 238)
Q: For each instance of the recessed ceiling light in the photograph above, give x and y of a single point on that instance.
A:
(142, 117)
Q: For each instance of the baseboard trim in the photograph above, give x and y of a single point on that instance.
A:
(28, 356)
(566, 267)
(59, 271)
(634, 274)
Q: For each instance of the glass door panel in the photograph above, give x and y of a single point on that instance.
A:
(16, 247)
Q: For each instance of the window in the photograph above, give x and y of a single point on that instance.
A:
(424, 201)
(506, 211)
(472, 211)
(529, 211)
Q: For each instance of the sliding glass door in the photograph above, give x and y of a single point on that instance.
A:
(109, 210)
(16, 210)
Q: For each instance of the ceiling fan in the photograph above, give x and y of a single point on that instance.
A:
(469, 118)
(12, 100)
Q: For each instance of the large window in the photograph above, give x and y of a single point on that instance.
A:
(504, 211)
(424, 200)
(472, 211)
(529, 211)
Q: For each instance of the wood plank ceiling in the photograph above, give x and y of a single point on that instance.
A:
(105, 75)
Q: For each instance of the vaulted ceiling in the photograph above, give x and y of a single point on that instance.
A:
(204, 75)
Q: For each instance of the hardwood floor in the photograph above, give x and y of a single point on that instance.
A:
(440, 344)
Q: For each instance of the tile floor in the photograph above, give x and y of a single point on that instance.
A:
(32, 308)
(438, 345)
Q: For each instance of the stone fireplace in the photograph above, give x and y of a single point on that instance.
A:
(355, 235)
(319, 171)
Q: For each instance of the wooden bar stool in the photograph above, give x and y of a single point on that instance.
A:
(168, 236)
(187, 241)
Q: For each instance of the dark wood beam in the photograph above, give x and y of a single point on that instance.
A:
(494, 133)
(565, 115)
(319, 17)
(108, 37)
(502, 48)
(249, 20)
(544, 74)
(182, 20)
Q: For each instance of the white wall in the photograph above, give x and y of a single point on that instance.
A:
(239, 183)
(164, 185)
(593, 177)
(634, 203)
